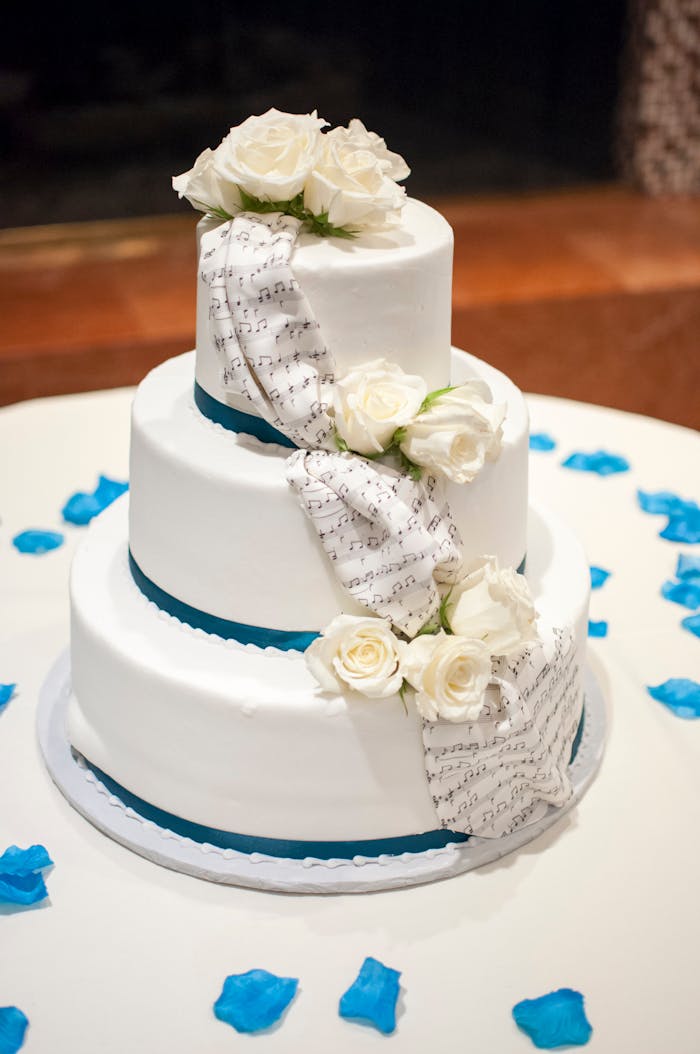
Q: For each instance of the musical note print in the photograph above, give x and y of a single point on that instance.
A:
(268, 342)
(491, 776)
(376, 524)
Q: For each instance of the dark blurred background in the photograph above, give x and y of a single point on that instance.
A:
(560, 138)
(99, 108)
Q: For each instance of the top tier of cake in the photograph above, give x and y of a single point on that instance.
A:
(384, 294)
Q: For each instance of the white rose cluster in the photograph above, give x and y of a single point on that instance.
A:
(490, 613)
(451, 433)
(347, 176)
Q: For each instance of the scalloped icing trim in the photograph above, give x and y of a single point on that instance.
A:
(183, 627)
(239, 438)
(255, 858)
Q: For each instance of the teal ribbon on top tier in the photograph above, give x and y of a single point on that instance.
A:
(238, 421)
(260, 636)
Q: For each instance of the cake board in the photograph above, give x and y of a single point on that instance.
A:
(84, 791)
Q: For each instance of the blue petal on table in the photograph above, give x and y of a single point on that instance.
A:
(372, 996)
(683, 526)
(680, 695)
(692, 623)
(557, 1019)
(599, 577)
(254, 1000)
(600, 461)
(663, 503)
(82, 507)
(597, 629)
(542, 441)
(21, 880)
(37, 542)
(688, 567)
(6, 693)
(13, 1025)
(686, 593)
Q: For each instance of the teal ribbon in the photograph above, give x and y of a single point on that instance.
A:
(285, 640)
(237, 421)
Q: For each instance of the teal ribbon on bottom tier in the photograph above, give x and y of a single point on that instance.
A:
(285, 640)
(287, 848)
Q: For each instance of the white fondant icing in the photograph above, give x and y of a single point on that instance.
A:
(380, 295)
(214, 522)
(234, 737)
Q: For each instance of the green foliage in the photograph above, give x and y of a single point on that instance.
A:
(318, 225)
(443, 615)
(402, 694)
(432, 397)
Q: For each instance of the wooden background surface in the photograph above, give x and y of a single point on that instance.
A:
(591, 294)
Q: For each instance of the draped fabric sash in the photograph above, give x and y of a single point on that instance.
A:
(490, 776)
(389, 537)
(263, 328)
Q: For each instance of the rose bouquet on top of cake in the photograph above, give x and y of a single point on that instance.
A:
(337, 182)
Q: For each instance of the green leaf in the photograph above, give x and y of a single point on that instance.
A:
(399, 436)
(402, 694)
(429, 629)
(211, 210)
(442, 613)
(340, 443)
(252, 204)
(410, 467)
(432, 397)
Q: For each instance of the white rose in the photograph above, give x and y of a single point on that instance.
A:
(394, 164)
(373, 400)
(357, 653)
(450, 675)
(204, 189)
(271, 156)
(494, 605)
(351, 182)
(458, 432)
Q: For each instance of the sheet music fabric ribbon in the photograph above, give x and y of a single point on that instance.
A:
(491, 776)
(264, 330)
(389, 537)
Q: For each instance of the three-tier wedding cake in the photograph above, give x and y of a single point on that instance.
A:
(324, 620)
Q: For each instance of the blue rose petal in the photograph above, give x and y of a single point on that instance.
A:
(21, 880)
(600, 462)
(683, 516)
(37, 542)
(372, 996)
(597, 629)
(254, 1000)
(82, 507)
(686, 593)
(557, 1019)
(683, 527)
(599, 577)
(6, 693)
(542, 441)
(680, 695)
(661, 502)
(13, 1025)
(688, 567)
(692, 623)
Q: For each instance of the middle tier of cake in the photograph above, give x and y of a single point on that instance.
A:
(215, 526)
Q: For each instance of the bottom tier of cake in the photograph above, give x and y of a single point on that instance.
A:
(241, 739)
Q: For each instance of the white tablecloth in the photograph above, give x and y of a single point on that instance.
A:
(128, 956)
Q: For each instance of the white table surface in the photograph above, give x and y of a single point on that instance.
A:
(127, 956)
